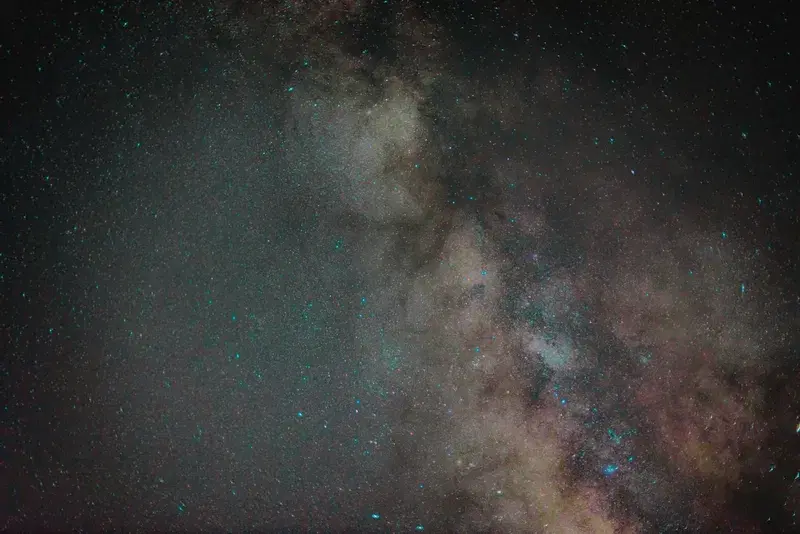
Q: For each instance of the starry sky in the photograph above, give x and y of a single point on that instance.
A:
(400, 266)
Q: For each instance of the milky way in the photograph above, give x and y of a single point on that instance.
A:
(335, 270)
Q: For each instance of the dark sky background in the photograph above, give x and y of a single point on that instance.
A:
(356, 266)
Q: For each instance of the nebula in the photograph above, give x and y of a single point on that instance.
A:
(383, 285)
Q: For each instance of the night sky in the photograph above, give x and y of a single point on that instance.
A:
(398, 266)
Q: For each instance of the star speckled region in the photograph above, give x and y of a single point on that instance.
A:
(399, 266)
